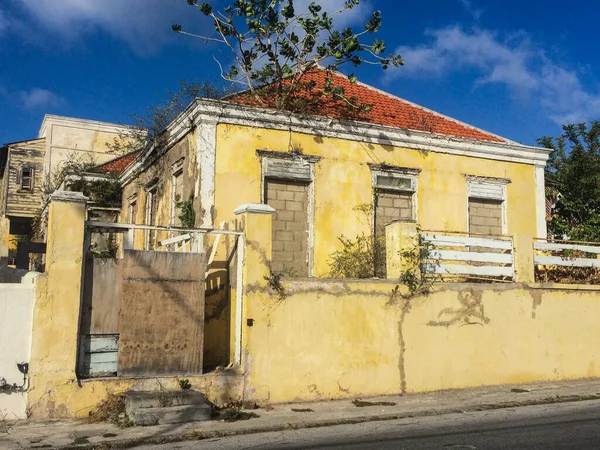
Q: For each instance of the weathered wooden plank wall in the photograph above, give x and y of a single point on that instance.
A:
(20, 202)
(161, 319)
(101, 294)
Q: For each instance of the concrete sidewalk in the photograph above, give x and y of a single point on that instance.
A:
(71, 434)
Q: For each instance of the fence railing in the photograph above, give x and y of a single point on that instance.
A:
(128, 230)
(570, 255)
(189, 242)
(468, 256)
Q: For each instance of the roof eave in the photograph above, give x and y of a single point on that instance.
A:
(218, 111)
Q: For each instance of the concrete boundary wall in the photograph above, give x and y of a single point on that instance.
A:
(325, 339)
(332, 339)
(16, 317)
(315, 339)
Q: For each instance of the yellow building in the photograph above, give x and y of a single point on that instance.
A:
(328, 177)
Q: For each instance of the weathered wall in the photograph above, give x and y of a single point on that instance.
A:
(4, 240)
(217, 323)
(161, 316)
(16, 316)
(324, 339)
(343, 181)
(57, 305)
(161, 172)
(25, 203)
(69, 138)
(332, 339)
(101, 297)
(55, 391)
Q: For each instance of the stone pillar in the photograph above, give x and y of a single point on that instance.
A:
(257, 223)
(56, 313)
(398, 237)
(4, 240)
(523, 258)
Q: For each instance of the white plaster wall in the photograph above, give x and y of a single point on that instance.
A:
(16, 316)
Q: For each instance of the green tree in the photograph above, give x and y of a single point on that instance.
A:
(273, 47)
(574, 166)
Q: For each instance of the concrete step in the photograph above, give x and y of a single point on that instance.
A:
(162, 399)
(171, 414)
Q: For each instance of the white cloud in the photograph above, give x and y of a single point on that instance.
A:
(348, 18)
(144, 24)
(3, 22)
(37, 98)
(514, 62)
(473, 10)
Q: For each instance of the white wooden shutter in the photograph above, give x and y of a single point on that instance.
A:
(491, 191)
(286, 169)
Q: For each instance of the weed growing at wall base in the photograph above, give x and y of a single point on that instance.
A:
(358, 257)
(111, 409)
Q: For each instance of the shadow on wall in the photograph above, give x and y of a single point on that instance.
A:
(217, 320)
(11, 275)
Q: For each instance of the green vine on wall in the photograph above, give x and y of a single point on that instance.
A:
(187, 215)
(417, 262)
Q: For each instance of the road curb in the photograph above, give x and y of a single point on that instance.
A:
(203, 435)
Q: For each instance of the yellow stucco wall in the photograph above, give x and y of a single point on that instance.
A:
(56, 311)
(346, 339)
(162, 172)
(343, 181)
(330, 338)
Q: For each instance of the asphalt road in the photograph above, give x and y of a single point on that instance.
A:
(559, 426)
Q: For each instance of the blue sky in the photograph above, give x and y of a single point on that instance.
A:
(516, 68)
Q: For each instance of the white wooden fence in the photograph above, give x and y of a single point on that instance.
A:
(189, 242)
(565, 260)
(468, 256)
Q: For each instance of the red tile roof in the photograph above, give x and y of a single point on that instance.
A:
(118, 165)
(385, 109)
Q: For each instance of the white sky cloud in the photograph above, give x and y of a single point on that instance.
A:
(471, 8)
(38, 98)
(356, 15)
(514, 62)
(3, 22)
(144, 24)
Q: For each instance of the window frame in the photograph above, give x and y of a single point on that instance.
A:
(31, 178)
(401, 173)
(151, 196)
(474, 180)
(175, 175)
(132, 202)
(267, 158)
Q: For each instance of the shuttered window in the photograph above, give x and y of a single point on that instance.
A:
(26, 178)
(489, 191)
(487, 206)
(287, 169)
